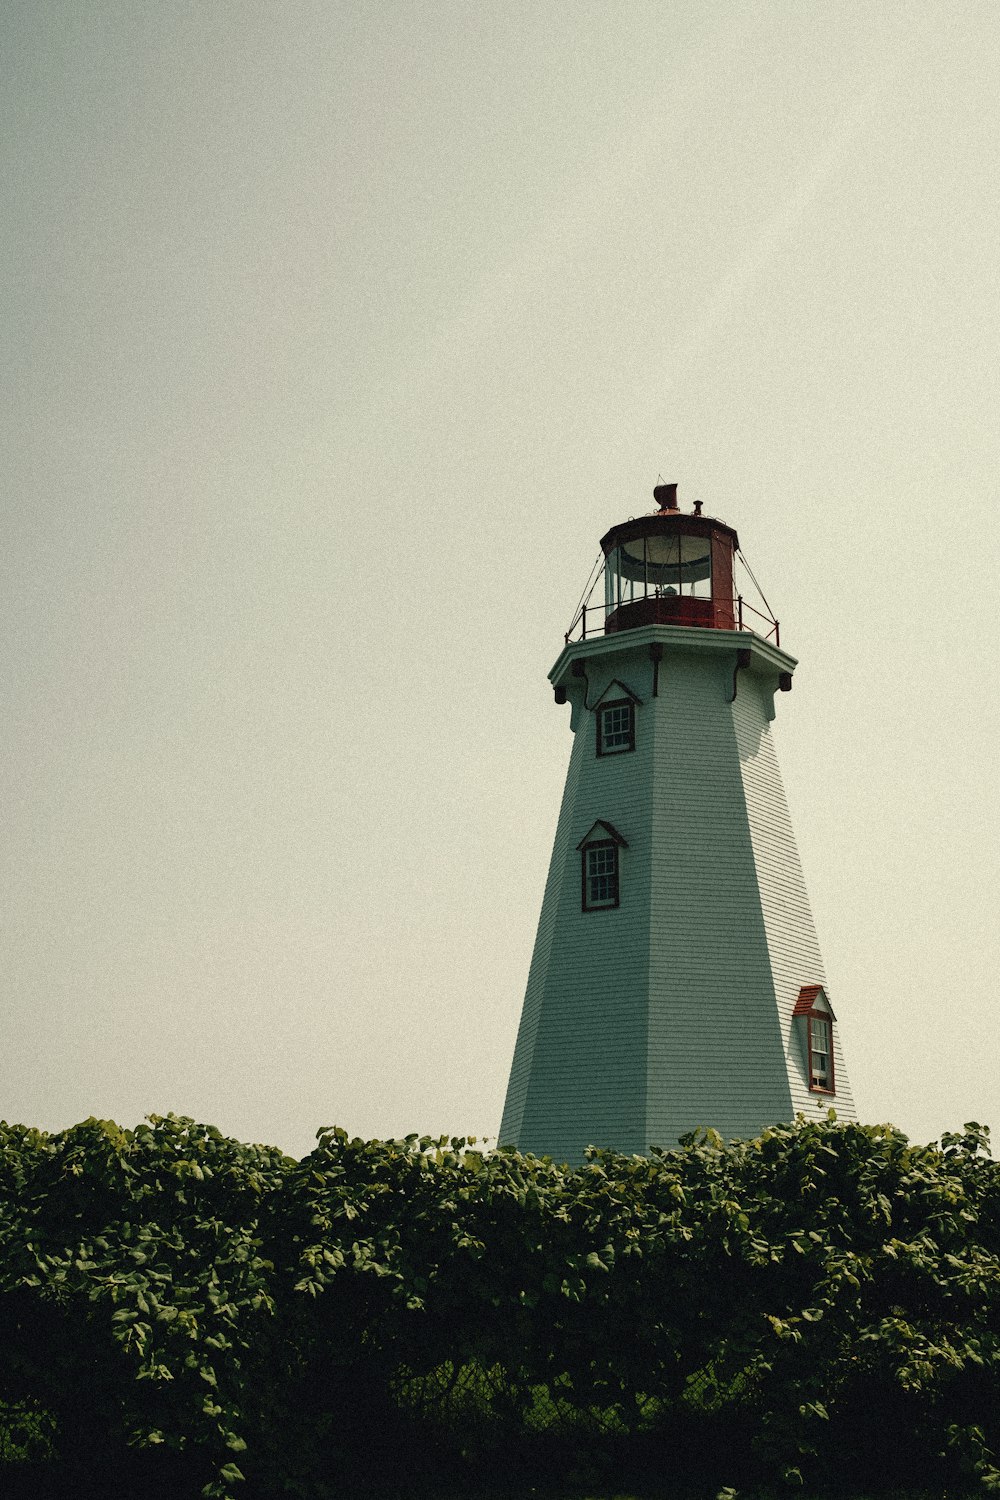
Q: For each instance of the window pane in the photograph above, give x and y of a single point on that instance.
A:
(616, 727)
(600, 875)
(820, 1038)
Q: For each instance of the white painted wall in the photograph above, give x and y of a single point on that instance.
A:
(715, 1051)
(791, 936)
(584, 1021)
(674, 1010)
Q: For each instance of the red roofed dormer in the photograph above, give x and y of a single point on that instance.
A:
(808, 995)
(814, 1009)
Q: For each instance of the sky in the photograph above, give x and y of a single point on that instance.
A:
(335, 337)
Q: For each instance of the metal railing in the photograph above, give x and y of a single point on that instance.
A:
(773, 630)
(591, 619)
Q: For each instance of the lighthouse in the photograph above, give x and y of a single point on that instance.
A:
(676, 979)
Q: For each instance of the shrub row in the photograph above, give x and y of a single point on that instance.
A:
(176, 1306)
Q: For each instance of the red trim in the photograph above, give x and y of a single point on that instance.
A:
(667, 522)
(807, 997)
(831, 1084)
(806, 1009)
(722, 579)
(680, 609)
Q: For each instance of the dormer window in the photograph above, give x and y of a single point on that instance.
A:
(814, 1013)
(599, 867)
(821, 1054)
(616, 727)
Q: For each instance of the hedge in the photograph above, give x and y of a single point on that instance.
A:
(195, 1315)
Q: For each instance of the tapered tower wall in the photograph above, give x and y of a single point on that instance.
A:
(674, 1009)
(792, 944)
(512, 1124)
(580, 1061)
(716, 1056)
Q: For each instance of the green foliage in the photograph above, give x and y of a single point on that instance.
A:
(818, 1301)
(132, 1283)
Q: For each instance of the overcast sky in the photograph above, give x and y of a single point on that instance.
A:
(334, 337)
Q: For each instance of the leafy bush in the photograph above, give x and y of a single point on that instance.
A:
(816, 1302)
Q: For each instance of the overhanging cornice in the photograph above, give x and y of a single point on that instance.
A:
(766, 659)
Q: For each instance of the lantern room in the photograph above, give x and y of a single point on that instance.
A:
(669, 568)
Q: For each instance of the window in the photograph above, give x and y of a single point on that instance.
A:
(820, 1054)
(599, 867)
(600, 876)
(814, 1011)
(615, 727)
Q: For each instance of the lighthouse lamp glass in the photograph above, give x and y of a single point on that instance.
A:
(659, 566)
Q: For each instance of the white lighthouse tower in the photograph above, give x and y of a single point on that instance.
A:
(676, 979)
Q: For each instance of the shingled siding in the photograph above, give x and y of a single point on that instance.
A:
(791, 934)
(589, 983)
(715, 1054)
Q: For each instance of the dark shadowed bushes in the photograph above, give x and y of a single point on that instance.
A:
(185, 1312)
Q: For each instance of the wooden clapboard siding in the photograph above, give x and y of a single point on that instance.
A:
(586, 1083)
(511, 1126)
(673, 1010)
(715, 1053)
(791, 934)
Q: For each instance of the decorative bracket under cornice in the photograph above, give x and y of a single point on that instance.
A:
(742, 660)
(656, 656)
